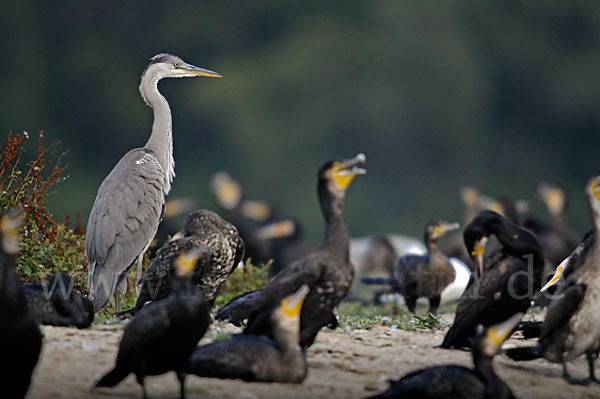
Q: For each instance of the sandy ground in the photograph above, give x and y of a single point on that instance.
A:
(342, 365)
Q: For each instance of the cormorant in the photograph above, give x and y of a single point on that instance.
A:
(284, 239)
(163, 335)
(572, 324)
(556, 239)
(417, 276)
(375, 256)
(507, 278)
(328, 271)
(20, 336)
(201, 228)
(453, 246)
(258, 358)
(58, 303)
(456, 382)
(230, 198)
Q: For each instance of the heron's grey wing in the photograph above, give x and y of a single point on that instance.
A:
(123, 220)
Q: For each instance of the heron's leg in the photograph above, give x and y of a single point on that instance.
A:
(117, 301)
(575, 381)
(139, 271)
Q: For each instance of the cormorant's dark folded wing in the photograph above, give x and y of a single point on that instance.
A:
(561, 310)
(149, 326)
(286, 282)
(479, 297)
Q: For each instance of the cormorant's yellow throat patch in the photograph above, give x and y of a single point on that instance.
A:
(292, 310)
(342, 177)
(186, 262)
(596, 188)
(9, 226)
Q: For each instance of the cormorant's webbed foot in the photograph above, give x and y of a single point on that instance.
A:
(575, 381)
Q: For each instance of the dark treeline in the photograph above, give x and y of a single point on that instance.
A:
(498, 95)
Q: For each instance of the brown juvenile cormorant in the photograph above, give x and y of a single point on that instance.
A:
(201, 228)
(508, 277)
(327, 271)
(57, 303)
(572, 324)
(20, 336)
(417, 276)
(258, 358)
(456, 382)
(162, 336)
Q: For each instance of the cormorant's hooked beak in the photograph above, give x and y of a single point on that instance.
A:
(345, 171)
(553, 197)
(256, 210)
(186, 261)
(499, 333)
(227, 191)
(283, 228)
(557, 274)
(192, 70)
(477, 253)
(446, 227)
(10, 223)
(292, 304)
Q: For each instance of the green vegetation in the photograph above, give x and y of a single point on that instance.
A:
(248, 278)
(47, 247)
(353, 316)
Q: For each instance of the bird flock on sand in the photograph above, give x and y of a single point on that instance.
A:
(495, 268)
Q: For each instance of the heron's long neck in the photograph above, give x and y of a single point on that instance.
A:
(161, 139)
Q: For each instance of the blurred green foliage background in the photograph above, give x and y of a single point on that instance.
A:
(499, 95)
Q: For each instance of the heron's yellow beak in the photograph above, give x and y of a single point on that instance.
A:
(345, 171)
(292, 304)
(189, 69)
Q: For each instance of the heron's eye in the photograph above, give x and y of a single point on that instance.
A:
(176, 65)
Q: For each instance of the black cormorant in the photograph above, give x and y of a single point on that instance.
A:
(162, 336)
(258, 358)
(57, 303)
(456, 382)
(417, 276)
(201, 228)
(230, 199)
(506, 279)
(285, 243)
(328, 271)
(571, 327)
(20, 336)
(453, 245)
(556, 239)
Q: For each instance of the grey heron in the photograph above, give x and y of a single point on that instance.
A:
(130, 200)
